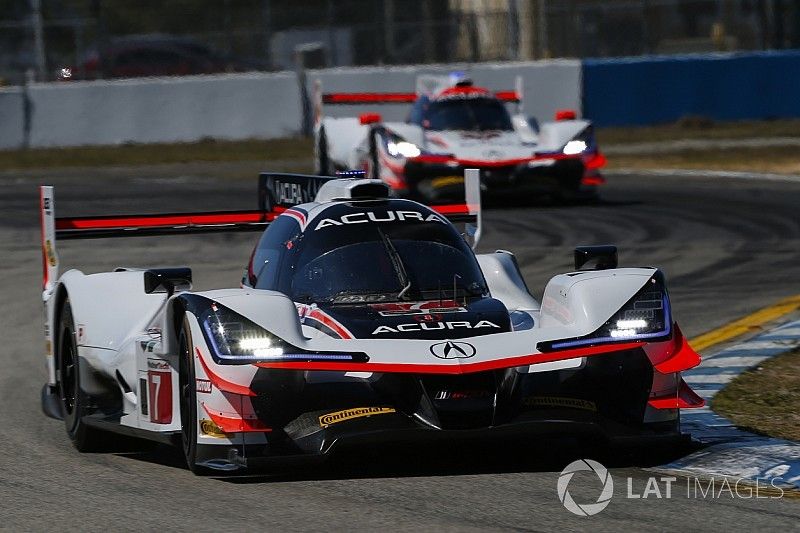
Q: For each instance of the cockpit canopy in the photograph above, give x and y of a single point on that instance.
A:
(481, 112)
(365, 252)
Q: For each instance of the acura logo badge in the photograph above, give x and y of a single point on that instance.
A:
(453, 350)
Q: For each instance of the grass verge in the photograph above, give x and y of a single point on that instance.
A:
(766, 399)
(699, 128)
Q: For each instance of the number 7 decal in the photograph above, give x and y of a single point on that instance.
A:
(160, 395)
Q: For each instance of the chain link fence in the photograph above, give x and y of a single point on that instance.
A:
(118, 38)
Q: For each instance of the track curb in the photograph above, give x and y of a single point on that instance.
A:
(730, 451)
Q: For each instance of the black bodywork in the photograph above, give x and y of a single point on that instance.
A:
(604, 399)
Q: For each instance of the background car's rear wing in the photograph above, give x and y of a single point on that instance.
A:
(276, 193)
(426, 85)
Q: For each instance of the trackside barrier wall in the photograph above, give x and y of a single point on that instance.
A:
(232, 106)
(240, 106)
(642, 91)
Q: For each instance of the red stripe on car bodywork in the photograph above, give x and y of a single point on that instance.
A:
(45, 270)
(222, 383)
(685, 398)
(451, 369)
(489, 163)
(332, 323)
(177, 219)
(508, 96)
(238, 424)
(369, 98)
(455, 209)
(682, 357)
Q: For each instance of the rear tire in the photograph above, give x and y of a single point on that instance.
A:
(188, 401)
(74, 403)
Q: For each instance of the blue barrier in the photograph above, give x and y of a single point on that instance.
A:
(641, 91)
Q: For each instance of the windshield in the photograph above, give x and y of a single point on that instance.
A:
(473, 114)
(382, 262)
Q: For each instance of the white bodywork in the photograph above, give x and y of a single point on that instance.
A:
(129, 337)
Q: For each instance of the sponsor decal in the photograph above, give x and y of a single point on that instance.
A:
(556, 309)
(461, 394)
(453, 350)
(290, 193)
(446, 181)
(427, 318)
(203, 385)
(157, 364)
(431, 326)
(370, 216)
(51, 256)
(419, 308)
(208, 427)
(350, 414)
(147, 346)
(554, 401)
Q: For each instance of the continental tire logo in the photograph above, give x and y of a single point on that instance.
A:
(585, 509)
(349, 414)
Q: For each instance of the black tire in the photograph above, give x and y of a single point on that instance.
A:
(323, 162)
(188, 401)
(74, 403)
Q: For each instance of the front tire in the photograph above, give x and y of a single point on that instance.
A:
(188, 400)
(74, 402)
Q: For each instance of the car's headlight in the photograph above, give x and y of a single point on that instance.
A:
(234, 339)
(646, 316)
(574, 147)
(402, 149)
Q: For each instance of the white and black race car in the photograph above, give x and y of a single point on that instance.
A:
(453, 125)
(360, 318)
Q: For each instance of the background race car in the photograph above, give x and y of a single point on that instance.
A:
(453, 125)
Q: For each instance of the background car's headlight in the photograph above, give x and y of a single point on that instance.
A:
(574, 147)
(403, 148)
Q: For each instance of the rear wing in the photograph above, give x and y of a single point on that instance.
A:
(426, 85)
(276, 194)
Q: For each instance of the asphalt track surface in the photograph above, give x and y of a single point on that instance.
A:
(727, 248)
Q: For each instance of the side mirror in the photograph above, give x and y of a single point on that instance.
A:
(369, 118)
(167, 280)
(603, 256)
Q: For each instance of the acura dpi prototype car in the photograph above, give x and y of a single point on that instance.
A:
(453, 125)
(361, 318)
